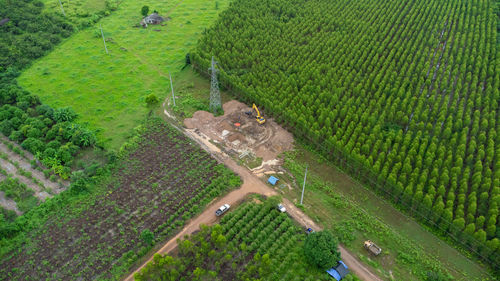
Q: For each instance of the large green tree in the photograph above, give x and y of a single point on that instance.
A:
(321, 249)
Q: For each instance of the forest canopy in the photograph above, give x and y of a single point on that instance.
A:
(402, 93)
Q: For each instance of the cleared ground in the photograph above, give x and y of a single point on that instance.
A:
(241, 134)
(108, 90)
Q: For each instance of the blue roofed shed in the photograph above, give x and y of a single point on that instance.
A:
(273, 180)
(333, 273)
(338, 272)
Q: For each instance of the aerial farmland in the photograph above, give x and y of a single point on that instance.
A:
(249, 140)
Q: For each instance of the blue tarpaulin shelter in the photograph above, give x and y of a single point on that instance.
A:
(333, 273)
(272, 180)
(338, 272)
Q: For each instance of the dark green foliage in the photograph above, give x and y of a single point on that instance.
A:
(321, 249)
(436, 276)
(20, 193)
(7, 215)
(253, 242)
(402, 95)
(148, 237)
(144, 11)
(30, 32)
(64, 114)
(33, 145)
(79, 182)
(152, 100)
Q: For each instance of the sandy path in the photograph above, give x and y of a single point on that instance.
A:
(252, 184)
(12, 170)
(26, 165)
(27, 154)
(9, 204)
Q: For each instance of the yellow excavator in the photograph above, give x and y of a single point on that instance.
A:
(259, 117)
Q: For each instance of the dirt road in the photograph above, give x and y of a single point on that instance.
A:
(252, 184)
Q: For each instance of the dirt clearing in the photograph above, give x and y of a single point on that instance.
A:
(240, 135)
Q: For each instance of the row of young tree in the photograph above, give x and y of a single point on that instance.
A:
(20, 193)
(28, 32)
(408, 89)
(254, 242)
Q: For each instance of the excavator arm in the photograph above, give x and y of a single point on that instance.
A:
(259, 118)
(254, 107)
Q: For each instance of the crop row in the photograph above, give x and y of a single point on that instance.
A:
(143, 200)
(252, 242)
(261, 230)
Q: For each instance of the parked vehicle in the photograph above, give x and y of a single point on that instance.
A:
(281, 208)
(222, 209)
(372, 247)
(259, 118)
(309, 230)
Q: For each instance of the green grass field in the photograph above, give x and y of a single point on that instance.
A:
(108, 90)
(76, 8)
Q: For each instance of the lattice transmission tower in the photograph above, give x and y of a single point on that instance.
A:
(215, 103)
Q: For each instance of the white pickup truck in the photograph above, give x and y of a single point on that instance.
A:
(222, 209)
(281, 208)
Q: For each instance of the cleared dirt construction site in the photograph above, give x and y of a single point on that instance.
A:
(239, 135)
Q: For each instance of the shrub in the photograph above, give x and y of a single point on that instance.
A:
(145, 11)
(148, 237)
(152, 100)
(64, 114)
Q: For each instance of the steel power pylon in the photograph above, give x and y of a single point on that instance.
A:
(215, 102)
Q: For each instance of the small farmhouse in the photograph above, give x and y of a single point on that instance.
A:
(154, 18)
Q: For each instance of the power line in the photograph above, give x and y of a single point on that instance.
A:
(303, 187)
(62, 8)
(172, 87)
(103, 40)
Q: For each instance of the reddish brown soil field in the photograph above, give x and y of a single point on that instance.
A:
(161, 184)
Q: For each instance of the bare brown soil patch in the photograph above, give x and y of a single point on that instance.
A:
(266, 141)
(151, 189)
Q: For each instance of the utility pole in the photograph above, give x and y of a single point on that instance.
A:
(103, 40)
(62, 8)
(172, 87)
(303, 187)
(215, 102)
